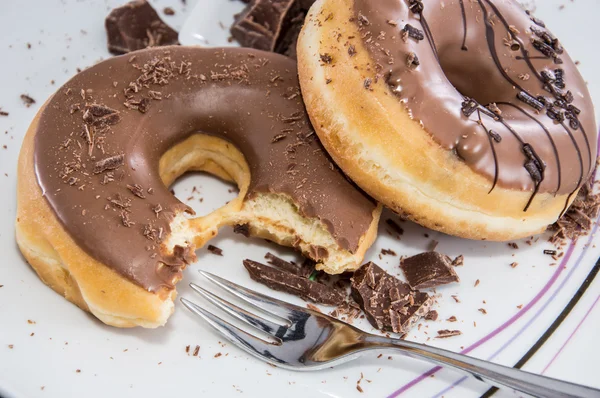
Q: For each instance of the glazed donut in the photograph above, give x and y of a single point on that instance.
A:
(467, 117)
(95, 216)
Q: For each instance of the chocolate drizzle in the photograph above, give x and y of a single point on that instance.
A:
(505, 49)
(464, 20)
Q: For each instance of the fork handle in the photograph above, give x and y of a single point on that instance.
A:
(497, 375)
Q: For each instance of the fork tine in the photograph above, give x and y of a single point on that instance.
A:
(239, 313)
(278, 309)
(252, 344)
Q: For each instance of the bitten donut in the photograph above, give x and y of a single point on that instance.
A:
(96, 219)
(467, 117)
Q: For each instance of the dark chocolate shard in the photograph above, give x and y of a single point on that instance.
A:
(136, 25)
(304, 270)
(286, 282)
(429, 269)
(388, 303)
(215, 250)
(271, 25)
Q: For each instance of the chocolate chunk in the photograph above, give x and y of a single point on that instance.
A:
(215, 250)
(271, 25)
(286, 282)
(135, 26)
(429, 269)
(110, 163)
(243, 229)
(304, 270)
(388, 303)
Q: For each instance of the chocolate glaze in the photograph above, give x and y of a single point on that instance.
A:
(490, 52)
(118, 209)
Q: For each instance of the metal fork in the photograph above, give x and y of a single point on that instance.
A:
(302, 339)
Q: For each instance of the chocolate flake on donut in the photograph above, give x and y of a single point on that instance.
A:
(137, 190)
(413, 32)
(412, 60)
(109, 163)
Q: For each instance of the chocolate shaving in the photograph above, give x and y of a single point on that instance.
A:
(413, 32)
(109, 163)
(443, 334)
(287, 282)
(137, 190)
(27, 100)
(215, 250)
(432, 316)
(427, 270)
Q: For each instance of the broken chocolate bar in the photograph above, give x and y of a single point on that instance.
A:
(271, 25)
(304, 270)
(388, 303)
(429, 269)
(135, 26)
(287, 282)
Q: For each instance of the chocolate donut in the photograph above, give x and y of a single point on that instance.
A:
(467, 116)
(95, 215)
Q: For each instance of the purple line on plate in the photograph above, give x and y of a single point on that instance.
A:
(571, 335)
(538, 313)
(518, 314)
(498, 329)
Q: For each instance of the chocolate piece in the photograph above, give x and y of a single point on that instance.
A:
(135, 26)
(293, 284)
(443, 334)
(271, 25)
(242, 229)
(215, 250)
(305, 270)
(427, 270)
(27, 100)
(432, 315)
(242, 85)
(388, 303)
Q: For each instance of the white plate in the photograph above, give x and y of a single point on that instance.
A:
(154, 363)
